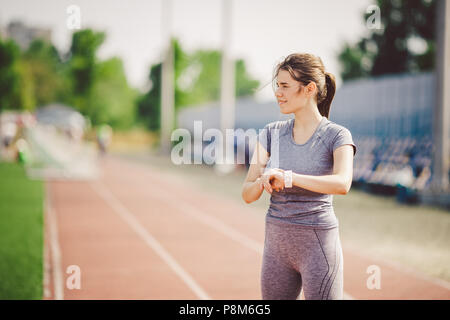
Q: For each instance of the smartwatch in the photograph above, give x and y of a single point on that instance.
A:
(288, 178)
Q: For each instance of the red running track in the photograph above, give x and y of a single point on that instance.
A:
(138, 233)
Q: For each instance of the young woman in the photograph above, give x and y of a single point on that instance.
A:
(302, 162)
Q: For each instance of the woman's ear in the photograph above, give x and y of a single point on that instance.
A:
(311, 89)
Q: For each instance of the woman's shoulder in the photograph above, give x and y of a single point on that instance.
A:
(332, 128)
(278, 124)
(336, 135)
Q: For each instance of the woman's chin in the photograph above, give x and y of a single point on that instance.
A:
(284, 110)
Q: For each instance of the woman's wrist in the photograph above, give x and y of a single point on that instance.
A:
(287, 177)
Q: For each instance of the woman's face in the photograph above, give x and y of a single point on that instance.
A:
(288, 97)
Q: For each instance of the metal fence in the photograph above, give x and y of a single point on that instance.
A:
(397, 106)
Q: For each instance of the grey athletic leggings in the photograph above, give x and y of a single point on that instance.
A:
(301, 256)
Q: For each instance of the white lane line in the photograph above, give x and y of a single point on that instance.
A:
(129, 218)
(58, 282)
(210, 221)
(218, 225)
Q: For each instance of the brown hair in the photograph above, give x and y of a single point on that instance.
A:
(304, 68)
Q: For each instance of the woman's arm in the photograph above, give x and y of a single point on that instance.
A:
(253, 186)
(337, 183)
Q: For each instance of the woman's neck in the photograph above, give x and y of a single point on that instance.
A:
(307, 119)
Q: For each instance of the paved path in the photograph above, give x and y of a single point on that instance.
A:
(138, 233)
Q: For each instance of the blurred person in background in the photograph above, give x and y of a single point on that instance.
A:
(23, 151)
(9, 132)
(302, 162)
(104, 136)
(409, 192)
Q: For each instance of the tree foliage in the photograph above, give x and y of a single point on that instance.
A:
(405, 42)
(111, 100)
(46, 73)
(197, 81)
(99, 89)
(41, 75)
(15, 88)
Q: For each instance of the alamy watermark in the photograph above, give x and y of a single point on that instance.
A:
(74, 18)
(74, 279)
(374, 280)
(374, 20)
(212, 147)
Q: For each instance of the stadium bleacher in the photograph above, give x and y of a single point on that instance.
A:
(386, 165)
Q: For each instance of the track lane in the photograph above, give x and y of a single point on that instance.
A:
(223, 266)
(114, 261)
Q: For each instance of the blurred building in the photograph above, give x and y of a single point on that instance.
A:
(2, 31)
(24, 35)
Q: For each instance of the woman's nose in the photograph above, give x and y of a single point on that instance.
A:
(277, 93)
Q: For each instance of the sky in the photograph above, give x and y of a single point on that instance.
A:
(262, 32)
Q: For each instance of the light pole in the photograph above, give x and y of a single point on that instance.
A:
(167, 79)
(439, 191)
(227, 90)
(442, 106)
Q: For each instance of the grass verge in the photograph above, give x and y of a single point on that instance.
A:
(21, 234)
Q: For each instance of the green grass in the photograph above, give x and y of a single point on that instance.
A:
(415, 236)
(21, 234)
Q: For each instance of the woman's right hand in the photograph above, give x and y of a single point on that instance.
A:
(277, 184)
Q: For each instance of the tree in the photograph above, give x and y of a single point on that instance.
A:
(405, 42)
(15, 82)
(197, 81)
(99, 88)
(245, 85)
(149, 104)
(85, 44)
(111, 100)
(45, 67)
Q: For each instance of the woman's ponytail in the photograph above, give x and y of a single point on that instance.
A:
(324, 105)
